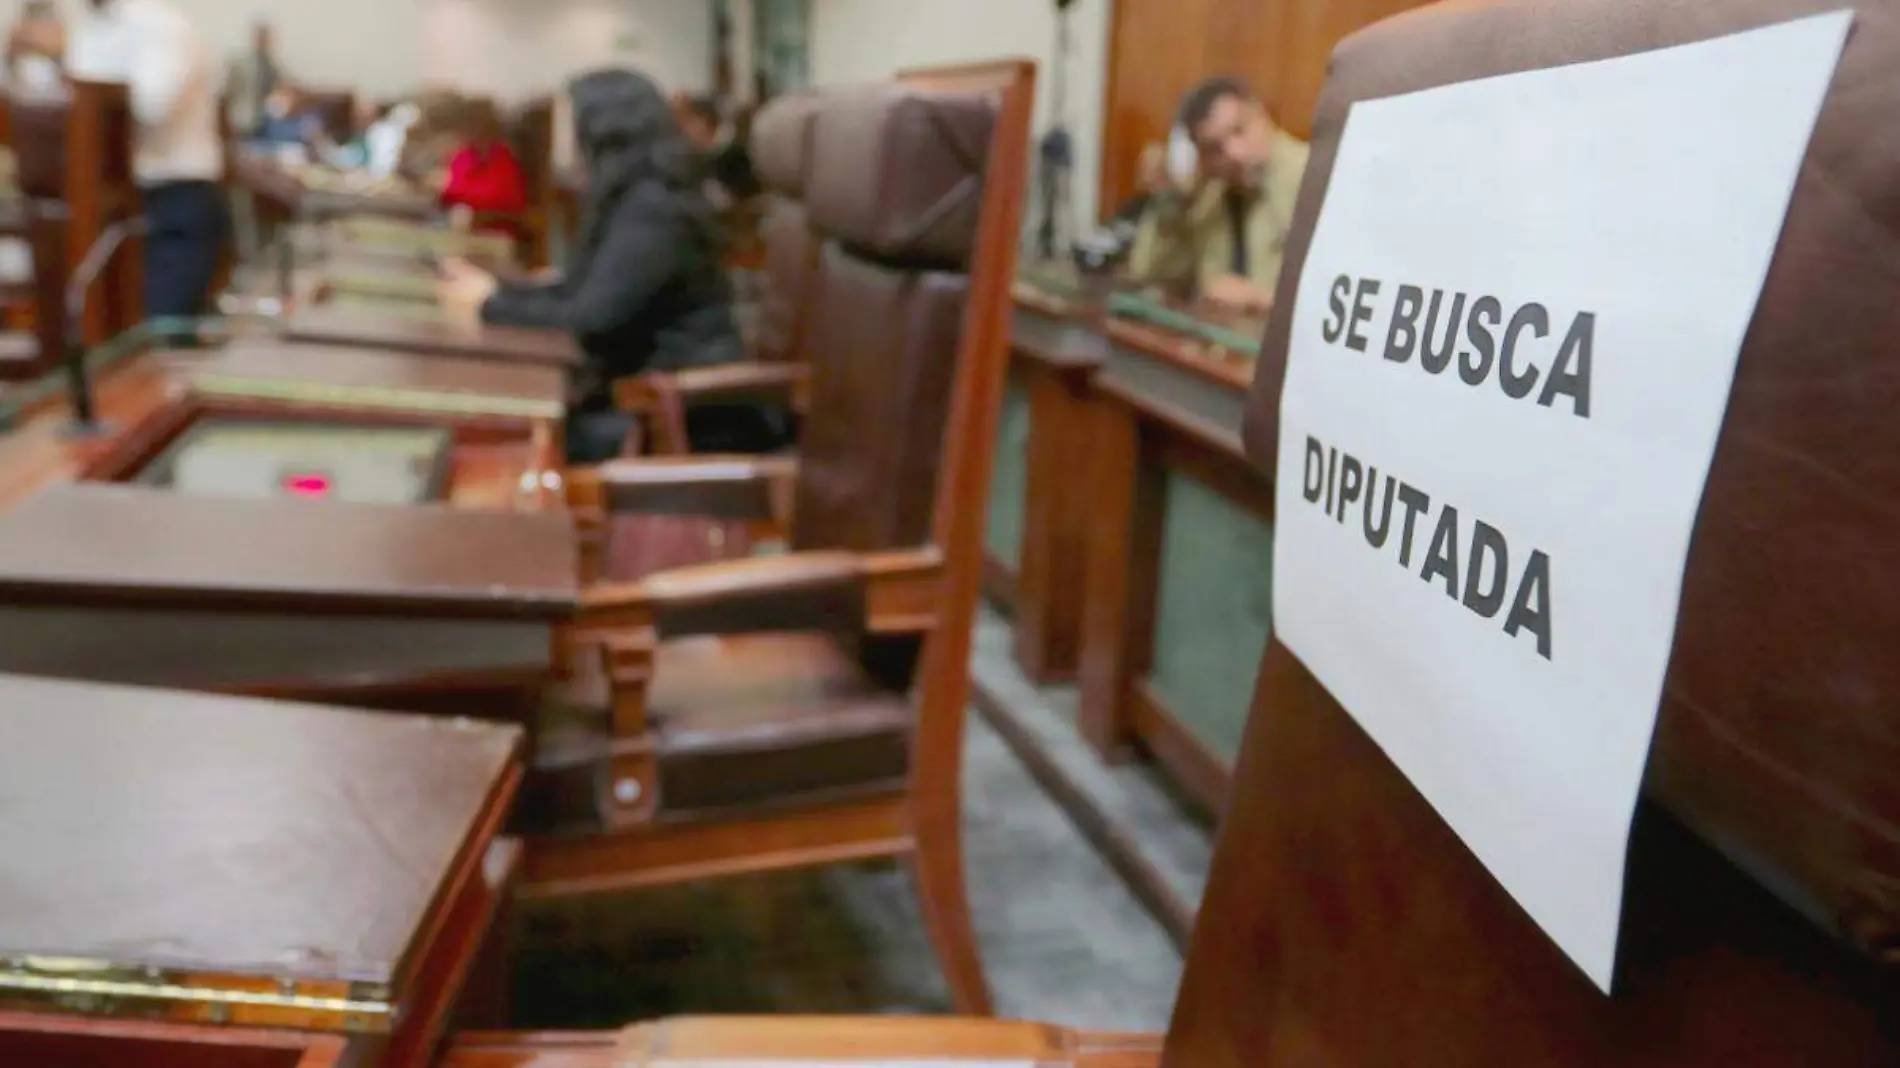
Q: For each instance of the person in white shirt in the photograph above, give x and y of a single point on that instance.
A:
(178, 160)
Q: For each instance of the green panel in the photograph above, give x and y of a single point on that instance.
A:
(1214, 610)
(1009, 477)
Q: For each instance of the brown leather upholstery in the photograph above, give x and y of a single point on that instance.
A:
(897, 171)
(781, 153)
(889, 343)
(771, 719)
(791, 274)
(1354, 929)
(780, 143)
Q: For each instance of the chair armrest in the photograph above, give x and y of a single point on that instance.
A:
(882, 593)
(822, 591)
(717, 487)
(865, 1042)
(662, 397)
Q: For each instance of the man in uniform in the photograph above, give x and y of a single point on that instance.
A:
(1220, 233)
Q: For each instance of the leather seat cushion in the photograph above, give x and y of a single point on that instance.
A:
(768, 719)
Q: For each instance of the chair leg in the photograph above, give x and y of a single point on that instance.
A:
(937, 865)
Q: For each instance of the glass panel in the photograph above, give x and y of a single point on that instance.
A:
(1213, 612)
(1009, 477)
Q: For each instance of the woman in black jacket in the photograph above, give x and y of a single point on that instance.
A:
(644, 289)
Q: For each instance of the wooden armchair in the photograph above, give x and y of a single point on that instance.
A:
(808, 708)
(781, 145)
(1347, 925)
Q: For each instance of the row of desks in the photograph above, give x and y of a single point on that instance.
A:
(1126, 526)
(336, 883)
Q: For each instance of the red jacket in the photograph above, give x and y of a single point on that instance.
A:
(486, 179)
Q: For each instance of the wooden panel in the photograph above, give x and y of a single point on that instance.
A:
(1159, 49)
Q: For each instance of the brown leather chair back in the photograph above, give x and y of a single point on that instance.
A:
(1346, 925)
(781, 154)
(896, 184)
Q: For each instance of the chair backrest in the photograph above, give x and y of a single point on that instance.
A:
(74, 148)
(1345, 925)
(896, 186)
(531, 135)
(780, 144)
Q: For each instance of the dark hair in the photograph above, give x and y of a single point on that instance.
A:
(1199, 102)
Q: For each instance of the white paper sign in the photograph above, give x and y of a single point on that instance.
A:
(1512, 349)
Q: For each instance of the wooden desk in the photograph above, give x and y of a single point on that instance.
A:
(321, 413)
(220, 864)
(516, 572)
(302, 192)
(1179, 597)
(136, 584)
(333, 324)
(1039, 509)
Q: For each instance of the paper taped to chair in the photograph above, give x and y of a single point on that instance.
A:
(1511, 354)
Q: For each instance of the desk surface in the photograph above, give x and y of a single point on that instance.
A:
(110, 544)
(345, 376)
(320, 190)
(329, 324)
(207, 835)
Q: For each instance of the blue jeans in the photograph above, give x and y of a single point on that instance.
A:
(187, 226)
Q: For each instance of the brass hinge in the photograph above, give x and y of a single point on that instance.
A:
(99, 988)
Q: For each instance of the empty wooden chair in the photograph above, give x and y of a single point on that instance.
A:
(808, 708)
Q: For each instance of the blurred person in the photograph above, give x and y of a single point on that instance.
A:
(251, 78)
(178, 156)
(1221, 232)
(288, 120)
(644, 289)
(726, 162)
(483, 174)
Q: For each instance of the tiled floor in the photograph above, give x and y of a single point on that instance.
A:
(1064, 940)
(1135, 798)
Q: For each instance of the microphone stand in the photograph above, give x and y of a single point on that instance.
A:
(78, 377)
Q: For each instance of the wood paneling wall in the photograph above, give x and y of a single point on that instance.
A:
(1158, 49)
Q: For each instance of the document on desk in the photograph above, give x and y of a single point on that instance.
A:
(1512, 347)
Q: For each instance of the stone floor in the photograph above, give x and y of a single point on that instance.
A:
(1063, 938)
(1160, 827)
